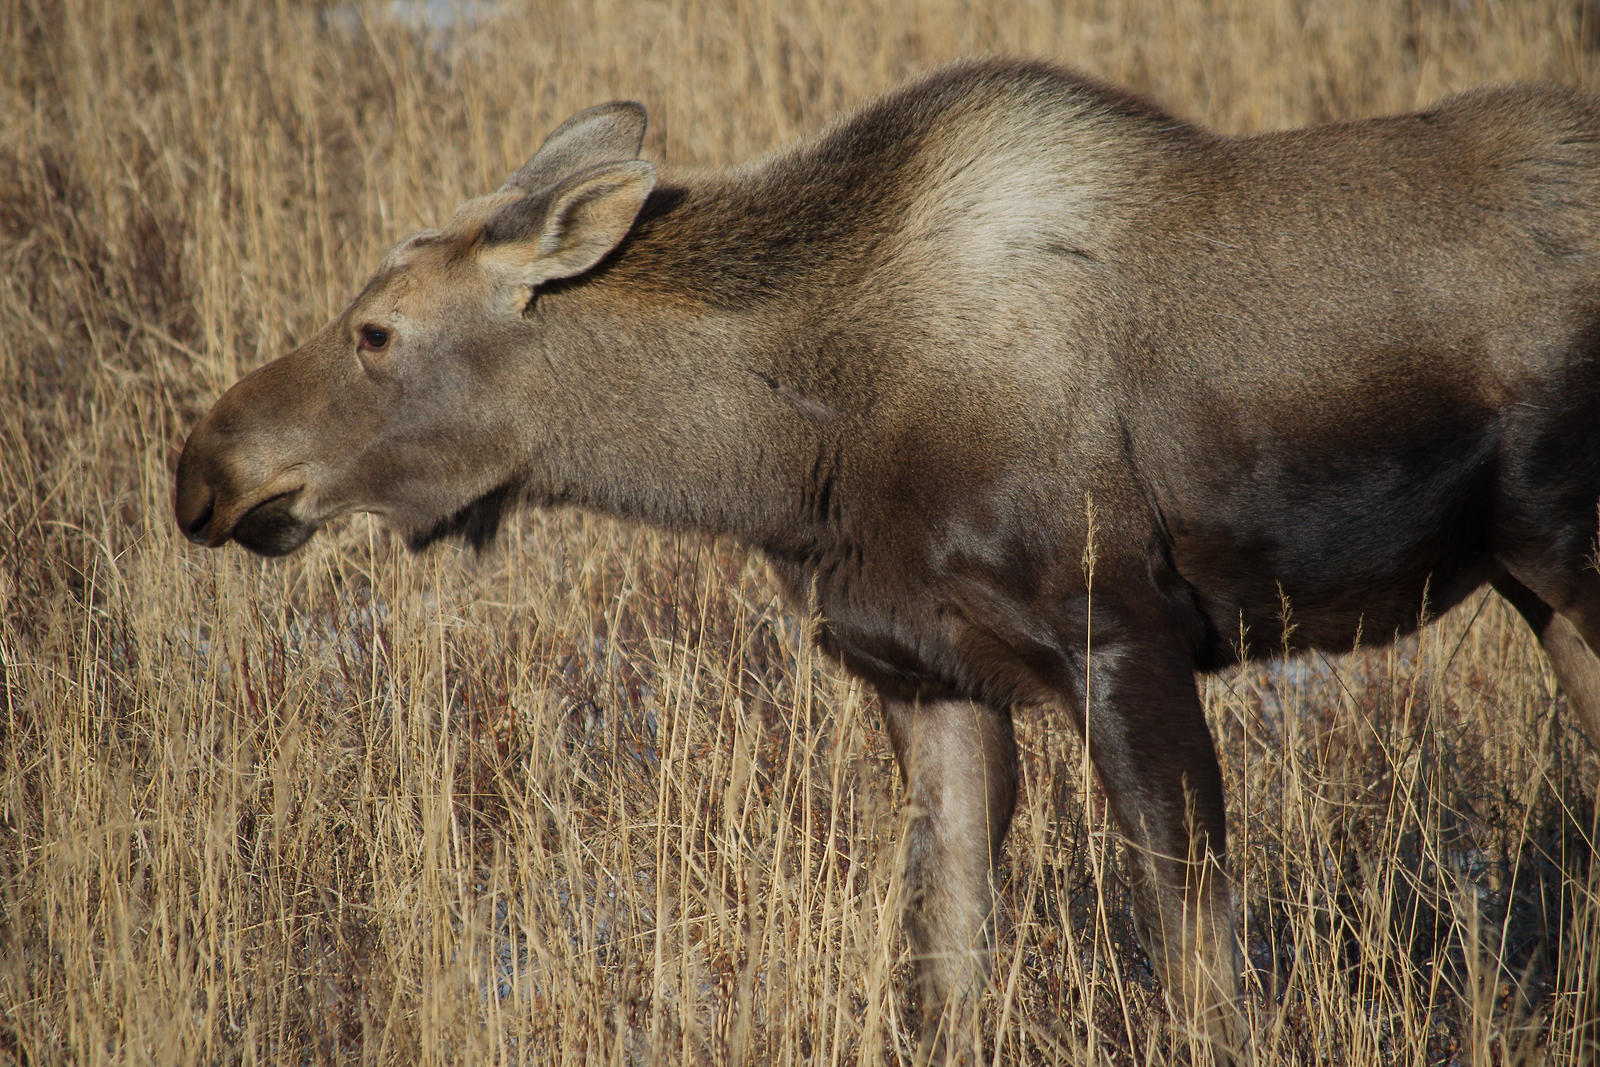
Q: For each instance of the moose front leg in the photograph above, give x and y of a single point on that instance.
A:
(1153, 753)
(959, 761)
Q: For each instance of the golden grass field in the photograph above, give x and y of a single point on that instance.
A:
(591, 797)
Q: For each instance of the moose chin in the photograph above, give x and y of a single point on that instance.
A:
(1000, 321)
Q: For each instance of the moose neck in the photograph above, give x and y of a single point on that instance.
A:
(735, 339)
(725, 397)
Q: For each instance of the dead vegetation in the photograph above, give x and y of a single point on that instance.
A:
(593, 798)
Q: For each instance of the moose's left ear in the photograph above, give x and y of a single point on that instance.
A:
(571, 228)
(602, 134)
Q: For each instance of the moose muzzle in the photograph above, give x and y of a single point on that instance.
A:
(240, 476)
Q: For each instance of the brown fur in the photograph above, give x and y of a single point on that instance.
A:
(1045, 396)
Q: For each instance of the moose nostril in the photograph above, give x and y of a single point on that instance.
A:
(195, 528)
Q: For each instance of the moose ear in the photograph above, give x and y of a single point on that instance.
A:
(573, 227)
(607, 133)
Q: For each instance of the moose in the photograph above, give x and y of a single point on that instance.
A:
(1040, 397)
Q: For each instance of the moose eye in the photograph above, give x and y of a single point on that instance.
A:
(374, 338)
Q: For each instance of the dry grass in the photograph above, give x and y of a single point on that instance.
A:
(592, 798)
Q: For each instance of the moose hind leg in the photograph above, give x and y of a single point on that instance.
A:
(959, 761)
(1576, 666)
(1570, 636)
(1152, 751)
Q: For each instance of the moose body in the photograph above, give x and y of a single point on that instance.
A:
(1038, 394)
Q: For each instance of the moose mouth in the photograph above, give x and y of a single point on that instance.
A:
(269, 529)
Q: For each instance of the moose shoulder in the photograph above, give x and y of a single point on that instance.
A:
(1023, 383)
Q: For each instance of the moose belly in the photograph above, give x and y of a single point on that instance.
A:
(1305, 551)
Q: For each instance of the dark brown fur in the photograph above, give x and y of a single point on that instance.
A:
(1045, 397)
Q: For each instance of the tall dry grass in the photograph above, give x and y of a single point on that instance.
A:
(592, 798)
